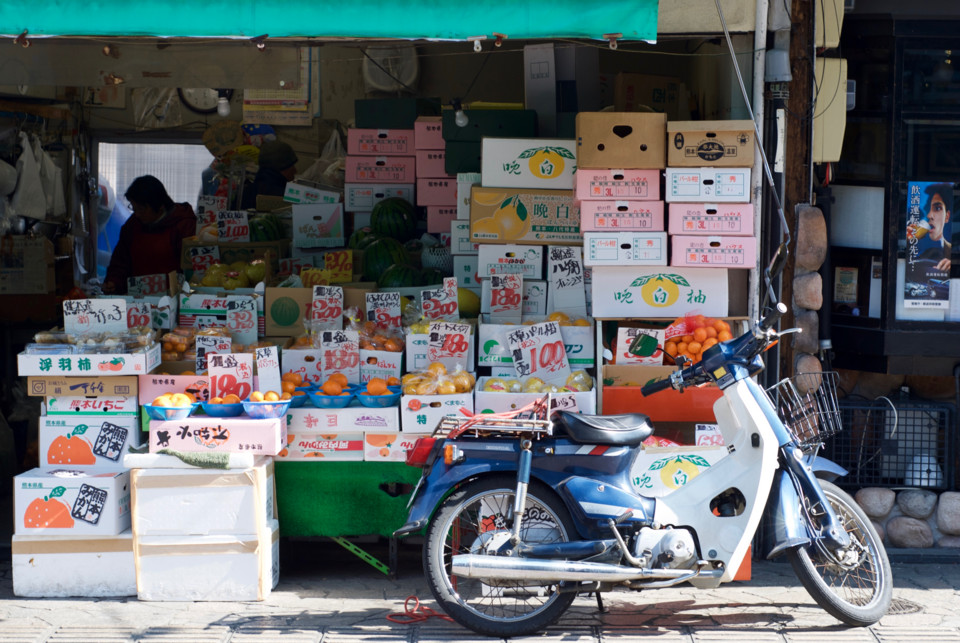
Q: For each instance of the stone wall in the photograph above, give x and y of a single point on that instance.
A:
(913, 518)
(807, 289)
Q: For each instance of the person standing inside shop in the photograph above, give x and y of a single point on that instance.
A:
(931, 232)
(277, 165)
(152, 238)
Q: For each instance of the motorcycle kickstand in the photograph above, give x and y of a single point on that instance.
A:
(600, 606)
(523, 481)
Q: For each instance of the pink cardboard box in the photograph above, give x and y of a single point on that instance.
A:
(634, 185)
(731, 219)
(722, 252)
(439, 217)
(202, 434)
(633, 216)
(436, 191)
(380, 142)
(380, 169)
(430, 164)
(428, 133)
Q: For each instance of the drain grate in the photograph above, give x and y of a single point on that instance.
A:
(903, 606)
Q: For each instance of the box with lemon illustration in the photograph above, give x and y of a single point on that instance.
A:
(538, 163)
(515, 215)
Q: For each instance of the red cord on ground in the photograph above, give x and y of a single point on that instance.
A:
(417, 614)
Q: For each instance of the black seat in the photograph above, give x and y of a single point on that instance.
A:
(629, 429)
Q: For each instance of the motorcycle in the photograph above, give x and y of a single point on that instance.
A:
(523, 514)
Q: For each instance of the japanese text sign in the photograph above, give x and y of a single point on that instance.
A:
(449, 344)
(230, 373)
(626, 336)
(208, 345)
(441, 303)
(268, 368)
(99, 315)
(506, 298)
(202, 257)
(567, 292)
(383, 308)
(340, 353)
(139, 314)
(339, 265)
(326, 307)
(242, 319)
(232, 225)
(146, 285)
(538, 350)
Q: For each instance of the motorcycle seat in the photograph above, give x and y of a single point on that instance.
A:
(629, 429)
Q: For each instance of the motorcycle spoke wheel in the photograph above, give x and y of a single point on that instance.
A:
(479, 517)
(854, 585)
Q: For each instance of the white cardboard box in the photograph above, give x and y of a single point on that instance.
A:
(711, 218)
(422, 413)
(87, 442)
(318, 225)
(203, 434)
(417, 352)
(87, 365)
(201, 502)
(637, 291)
(715, 184)
(300, 193)
(498, 402)
(69, 502)
(578, 342)
(95, 406)
(625, 248)
(382, 364)
(63, 566)
(309, 445)
(631, 216)
(208, 568)
(539, 163)
(506, 259)
(460, 243)
(356, 417)
(387, 447)
(465, 270)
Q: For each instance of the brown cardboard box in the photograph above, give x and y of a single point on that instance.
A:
(622, 140)
(284, 309)
(642, 92)
(60, 386)
(26, 266)
(520, 215)
(710, 143)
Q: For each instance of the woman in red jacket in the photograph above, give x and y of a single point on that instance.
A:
(152, 238)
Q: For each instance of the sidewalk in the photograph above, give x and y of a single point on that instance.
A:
(328, 596)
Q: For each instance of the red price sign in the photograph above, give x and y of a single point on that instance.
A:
(539, 350)
(708, 435)
(326, 308)
(231, 373)
(209, 345)
(339, 265)
(268, 368)
(314, 277)
(449, 344)
(441, 304)
(139, 315)
(202, 257)
(383, 308)
(340, 353)
(242, 319)
(232, 225)
(506, 297)
(147, 285)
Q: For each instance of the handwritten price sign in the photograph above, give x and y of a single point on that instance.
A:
(294, 266)
(340, 353)
(539, 350)
(506, 298)
(268, 368)
(99, 315)
(139, 315)
(147, 285)
(567, 286)
(314, 277)
(202, 257)
(207, 208)
(230, 373)
(708, 435)
(232, 225)
(326, 307)
(339, 265)
(441, 304)
(242, 319)
(383, 308)
(626, 336)
(208, 345)
(449, 344)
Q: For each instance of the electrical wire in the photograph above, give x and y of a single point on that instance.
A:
(381, 68)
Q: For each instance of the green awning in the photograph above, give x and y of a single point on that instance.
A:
(423, 19)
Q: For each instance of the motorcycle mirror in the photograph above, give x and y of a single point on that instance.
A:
(643, 345)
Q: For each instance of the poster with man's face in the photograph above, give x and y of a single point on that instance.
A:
(927, 278)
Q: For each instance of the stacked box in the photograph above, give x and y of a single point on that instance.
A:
(436, 188)
(380, 164)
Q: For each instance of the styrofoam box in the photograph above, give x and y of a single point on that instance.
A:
(380, 169)
(422, 413)
(537, 163)
(637, 291)
(720, 184)
(506, 259)
(625, 248)
(632, 216)
(460, 243)
(62, 566)
(416, 349)
(356, 417)
(731, 219)
(202, 434)
(200, 502)
(71, 502)
(465, 181)
(387, 447)
(208, 568)
(631, 185)
(723, 252)
(94, 442)
(497, 402)
(494, 349)
(361, 197)
(379, 142)
(534, 297)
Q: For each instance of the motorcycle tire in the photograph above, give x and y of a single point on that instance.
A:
(858, 589)
(469, 518)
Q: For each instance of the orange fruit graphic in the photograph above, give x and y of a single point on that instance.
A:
(380, 439)
(331, 387)
(48, 513)
(70, 449)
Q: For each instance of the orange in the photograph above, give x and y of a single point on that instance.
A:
(216, 400)
(180, 399)
(331, 387)
(446, 386)
(670, 348)
(694, 348)
(285, 395)
(687, 338)
(288, 386)
(681, 348)
(167, 347)
(392, 345)
(296, 393)
(710, 341)
(295, 378)
(256, 396)
(437, 368)
(230, 398)
(724, 335)
(191, 396)
(700, 334)
(187, 372)
(377, 386)
(271, 396)
(163, 400)
(392, 381)
(711, 331)
(721, 326)
(339, 378)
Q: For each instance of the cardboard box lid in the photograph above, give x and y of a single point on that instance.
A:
(710, 126)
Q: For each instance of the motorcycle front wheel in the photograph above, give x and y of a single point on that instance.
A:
(855, 585)
(467, 521)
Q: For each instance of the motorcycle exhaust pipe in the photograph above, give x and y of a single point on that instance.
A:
(503, 568)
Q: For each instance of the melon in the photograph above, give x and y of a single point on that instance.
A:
(432, 276)
(285, 311)
(400, 276)
(358, 237)
(395, 218)
(380, 255)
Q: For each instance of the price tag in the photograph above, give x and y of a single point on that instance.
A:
(232, 225)
(441, 304)
(294, 266)
(564, 402)
(230, 373)
(202, 257)
(268, 369)
(207, 208)
(209, 345)
(314, 277)
(242, 319)
(449, 344)
(326, 307)
(539, 350)
(340, 353)
(383, 308)
(339, 265)
(708, 435)
(147, 285)
(139, 314)
(567, 290)
(626, 336)
(506, 298)
(94, 315)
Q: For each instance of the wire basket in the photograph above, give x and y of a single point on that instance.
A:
(807, 406)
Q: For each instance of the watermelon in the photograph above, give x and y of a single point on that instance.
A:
(358, 237)
(432, 276)
(395, 218)
(400, 275)
(380, 255)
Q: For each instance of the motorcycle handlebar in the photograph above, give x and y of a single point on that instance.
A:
(771, 319)
(655, 387)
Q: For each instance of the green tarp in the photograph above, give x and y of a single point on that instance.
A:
(427, 19)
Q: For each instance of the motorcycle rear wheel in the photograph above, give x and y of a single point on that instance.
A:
(858, 589)
(465, 521)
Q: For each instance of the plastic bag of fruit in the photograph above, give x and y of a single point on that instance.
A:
(691, 335)
(436, 380)
(374, 337)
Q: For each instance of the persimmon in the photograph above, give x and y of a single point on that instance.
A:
(331, 387)
(340, 379)
(377, 386)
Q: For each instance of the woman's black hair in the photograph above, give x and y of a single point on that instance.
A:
(149, 191)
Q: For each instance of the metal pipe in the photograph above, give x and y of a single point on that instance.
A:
(504, 568)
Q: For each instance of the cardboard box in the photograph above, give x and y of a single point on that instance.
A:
(208, 568)
(432, 163)
(380, 169)
(382, 364)
(307, 446)
(416, 349)
(731, 219)
(380, 142)
(460, 243)
(210, 307)
(641, 292)
(27, 267)
(631, 185)
(578, 342)
(68, 501)
(499, 402)
(69, 365)
(628, 140)
(65, 566)
(361, 197)
(240, 251)
(301, 193)
(203, 434)
(394, 113)
(439, 217)
(284, 310)
(153, 385)
(465, 270)
(318, 225)
(87, 442)
(422, 413)
(66, 386)
(638, 92)
(536, 163)
(625, 249)
(621, 394)
(387, 447)
(356, 417)
(534, 297)
(558, 79)
(436, 191)
(514, 123)
(526, 261)
(465, 183)
(633, 216)
(202, 502)
(512, 215)
(710, 143)
(726, 185)
(103, 406)
(428, 133)
(725, 252)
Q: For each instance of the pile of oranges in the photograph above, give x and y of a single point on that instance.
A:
(175, 399)
(379, 386)
(700, 334)
(375, 338)
(289, 382)
(435, 380)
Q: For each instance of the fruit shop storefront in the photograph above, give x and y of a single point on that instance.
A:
(332, 444)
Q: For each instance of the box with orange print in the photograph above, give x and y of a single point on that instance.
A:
(68, 501)
(87, 442)
(388, 447)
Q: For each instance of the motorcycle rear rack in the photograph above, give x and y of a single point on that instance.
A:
(485, 424)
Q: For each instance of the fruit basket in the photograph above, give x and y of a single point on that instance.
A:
(222, 410)
(322, 401)
(380, 401)
(265, 410)
(168, 412)
(297, 401)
